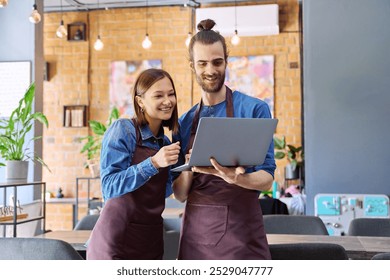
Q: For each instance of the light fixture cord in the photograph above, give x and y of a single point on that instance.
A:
(190, 20)
(146, 16)
(61, 11)
(97, 17)
(235, 14)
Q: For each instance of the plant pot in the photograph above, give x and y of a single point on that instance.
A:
(16, 170)
(290, 173)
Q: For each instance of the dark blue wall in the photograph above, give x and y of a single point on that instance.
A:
(346, 96)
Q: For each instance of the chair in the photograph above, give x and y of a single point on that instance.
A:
(36, 249)
(308, 251)
(369, 227)
(87, 222)
(171, 245)
(381, 256)
(173, 224)
(270, 206)
(289, 224)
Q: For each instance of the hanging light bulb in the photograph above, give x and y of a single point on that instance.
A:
(3, 3)
(235, 39)
(35, 17)
(146, 43)
(188, 40)
(61, 30)
(99, 45)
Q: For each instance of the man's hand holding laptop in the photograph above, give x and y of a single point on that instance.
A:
(229, 174)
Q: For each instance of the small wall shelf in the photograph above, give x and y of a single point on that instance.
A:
(77, 31)
(75, 116)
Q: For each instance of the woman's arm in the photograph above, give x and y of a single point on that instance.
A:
(119, 175)
(182, 185)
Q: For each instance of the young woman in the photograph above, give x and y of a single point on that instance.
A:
(135, 162)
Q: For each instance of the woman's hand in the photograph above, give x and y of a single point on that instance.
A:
(167, 155)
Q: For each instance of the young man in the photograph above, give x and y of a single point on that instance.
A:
(223, 219)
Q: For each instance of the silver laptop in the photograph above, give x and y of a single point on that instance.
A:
(231, 141)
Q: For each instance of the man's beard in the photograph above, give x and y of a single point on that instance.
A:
(213, 88)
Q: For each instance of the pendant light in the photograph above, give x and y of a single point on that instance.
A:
(61, 30)
(235, 39)
(98, 45)
(3, 3)
(35, 17)
(146, 43)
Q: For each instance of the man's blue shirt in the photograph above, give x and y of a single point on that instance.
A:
(244, 107)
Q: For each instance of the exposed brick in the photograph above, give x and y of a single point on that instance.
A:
(122, 31)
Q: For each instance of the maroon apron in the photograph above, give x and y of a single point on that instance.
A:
(221, 220)
(131, 226)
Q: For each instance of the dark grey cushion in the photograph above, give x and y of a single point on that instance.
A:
(291, 224)
(381, 256)
(308, 251)
(87, 222)
(171, 245)
(36, 249)
(369, 227)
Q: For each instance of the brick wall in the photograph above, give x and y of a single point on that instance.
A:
(80, 76)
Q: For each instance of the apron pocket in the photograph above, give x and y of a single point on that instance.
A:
(144, 241)
(205, 224)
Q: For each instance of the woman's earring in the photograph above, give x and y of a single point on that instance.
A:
(142, 110)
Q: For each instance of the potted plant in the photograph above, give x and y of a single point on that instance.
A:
(13, 133)
(293, 154)
(93, 143)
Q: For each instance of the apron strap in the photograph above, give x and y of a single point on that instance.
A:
(195, 120)
(137, 132)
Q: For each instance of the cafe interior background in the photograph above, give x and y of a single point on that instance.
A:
(328, 87)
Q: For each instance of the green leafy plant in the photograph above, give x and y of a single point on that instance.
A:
(293, 154)
(93, 143)
(13, 130)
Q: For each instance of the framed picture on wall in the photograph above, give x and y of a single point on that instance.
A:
(122, 78)
(252, 75)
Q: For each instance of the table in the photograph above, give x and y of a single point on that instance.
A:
(172, 213)
(76, 238)
(357, 247)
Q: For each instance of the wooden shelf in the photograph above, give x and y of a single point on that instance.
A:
(11, 217)
(77, 31)
(75, 116)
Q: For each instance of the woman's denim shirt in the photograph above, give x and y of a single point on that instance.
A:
(118, 175)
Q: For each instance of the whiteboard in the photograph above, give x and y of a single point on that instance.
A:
(15, 78)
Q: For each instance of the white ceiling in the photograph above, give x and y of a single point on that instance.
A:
(83, 5)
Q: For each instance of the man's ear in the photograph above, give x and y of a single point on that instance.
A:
(192, 66)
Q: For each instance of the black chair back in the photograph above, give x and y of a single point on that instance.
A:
(87, 222)
(381, 256)
(291, 224)
(308, 251)
(36, 249)
(369, 227)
